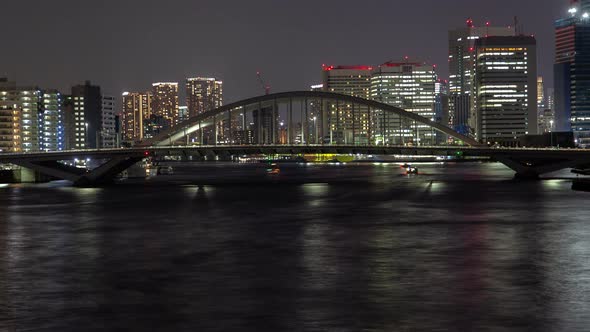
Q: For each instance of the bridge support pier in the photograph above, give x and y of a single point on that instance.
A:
(532, 168)
(101, 175)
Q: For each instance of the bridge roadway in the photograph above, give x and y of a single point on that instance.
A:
(526, 162)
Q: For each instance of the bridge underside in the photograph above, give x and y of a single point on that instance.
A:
(533, 167)
(527, 163)
(103, 174)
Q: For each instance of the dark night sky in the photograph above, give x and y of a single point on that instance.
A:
(128, 44)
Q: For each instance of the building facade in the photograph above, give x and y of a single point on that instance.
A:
(203, 94)
(572, 72)
(462, 69)
(84, 124)
(411, 87)
(108, 134)
(505, 89)
(137, 107)
(19, 117)
(336, 119)
(165, 101)
(51, 122)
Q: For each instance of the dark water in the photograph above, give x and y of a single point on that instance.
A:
(463, 247)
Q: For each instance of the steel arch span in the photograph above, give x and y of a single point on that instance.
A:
(333, 122)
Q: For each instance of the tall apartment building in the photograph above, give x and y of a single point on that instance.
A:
(51, 122)
(83, 117)
(137, 107)
(165, 101)
(337, 119)
(203, 94)
(572, 72)
(19, 117)
(505, 89)
(411, 87)
(462, 70)
(108, 134)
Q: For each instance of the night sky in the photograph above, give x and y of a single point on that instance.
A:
(128, 44)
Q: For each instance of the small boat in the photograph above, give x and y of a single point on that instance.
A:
(165, 170)
(273, 169)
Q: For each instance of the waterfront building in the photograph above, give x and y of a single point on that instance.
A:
(337, 122)
(505, 89)
(411, 87)
(165, 101)
(313, 116)
(572, 72)
(19, 117)
(137, 107)
(108, 135)
(84, 116)
(462, 69)
(51, 122)
(203, 94)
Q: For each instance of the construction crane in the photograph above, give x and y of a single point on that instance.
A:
(264, 85)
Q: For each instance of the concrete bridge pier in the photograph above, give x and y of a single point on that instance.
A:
(532, 168)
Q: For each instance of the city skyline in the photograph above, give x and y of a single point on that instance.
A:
(288, 50)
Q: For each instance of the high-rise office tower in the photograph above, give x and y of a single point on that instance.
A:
(19, 117)
(108, 134)
(337, 118)
(51, 124)
(462, 69)
(505, 89)
(572, 72)
(411, 87)
(441, 107)
(137, 107)
(203, 94)
(84, 117)
(165, 101)
(540, 93)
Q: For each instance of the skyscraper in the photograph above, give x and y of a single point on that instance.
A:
(203, 94)
(462, 69)
(137, 107)
(108, 132)
(411, 87)
(165, 101)
(348, 80)
(572, 72)
(505, 89)
(85, 116)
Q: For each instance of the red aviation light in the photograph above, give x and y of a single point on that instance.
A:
(146, 153)
(469, 23)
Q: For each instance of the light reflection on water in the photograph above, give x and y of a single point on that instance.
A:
(462, 247)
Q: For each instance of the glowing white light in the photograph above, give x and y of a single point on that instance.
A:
(585, 15)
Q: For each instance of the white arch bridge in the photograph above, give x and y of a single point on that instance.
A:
(299, 122)
(310, 117)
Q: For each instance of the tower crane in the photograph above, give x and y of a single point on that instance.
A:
(262, 83)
